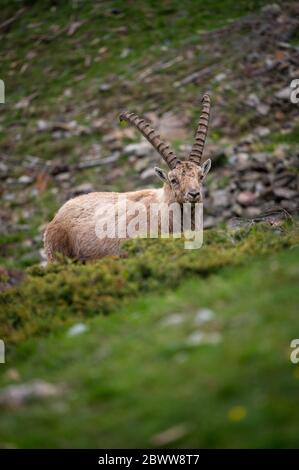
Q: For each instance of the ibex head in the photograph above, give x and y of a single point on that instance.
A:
(185, 177)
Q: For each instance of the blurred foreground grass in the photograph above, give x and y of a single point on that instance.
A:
(219, 380)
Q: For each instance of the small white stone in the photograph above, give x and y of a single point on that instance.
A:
(105, 87)
(138, 149)
(263, 109)
(262, 131)
(212, 338)
(252, 100)
(25, 179)
(273, 8)
(77, 329)
(63, 176)
(148, 173)
(204, 315)
(172, 320)
(220, 77)
(284, 94)
(42, 125)
(18, 395)
(3, 168)
(125, 52)
(199, 337)
(195, 338)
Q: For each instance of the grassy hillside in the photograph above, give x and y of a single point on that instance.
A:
(70, 68)
(168, 347)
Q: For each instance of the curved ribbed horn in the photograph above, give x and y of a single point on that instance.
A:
(202, 130)
(152, 136)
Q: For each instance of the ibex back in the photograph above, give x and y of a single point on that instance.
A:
(73, 231)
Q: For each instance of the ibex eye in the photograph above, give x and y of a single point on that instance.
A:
(173, 181)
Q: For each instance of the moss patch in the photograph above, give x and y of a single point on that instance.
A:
(53, 296)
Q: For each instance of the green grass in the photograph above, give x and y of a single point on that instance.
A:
(112, 24)
(115, 26)
(130, 376)
(109, 26)
(290, 138)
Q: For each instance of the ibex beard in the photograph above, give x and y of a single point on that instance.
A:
(125, 219)
(94, 225)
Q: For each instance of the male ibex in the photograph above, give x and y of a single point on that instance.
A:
(73, 231)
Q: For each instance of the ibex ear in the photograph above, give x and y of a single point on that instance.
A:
(161, 174)
(206, 167)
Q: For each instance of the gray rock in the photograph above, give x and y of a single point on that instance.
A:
(209, 222)
(169, 436)
(125, 52)
(262, 131)
(3, 169)
(263, 109)
(284, 94)
(93, 162)
(245, 198)
(280, 151)
(25, 179)
(84, 188)
(252, 100)
(220, 198)
(272, 8)
(237, 209)
(138, 149)
(252, 212)
(220, 77)
(261, 157)
(172, 320)
(148, 173)
(285, 193)
(105, 87)
(63, 176)
(18, 395)
(141, 164)
(199, 337)
(43, 125)
(291, 206)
